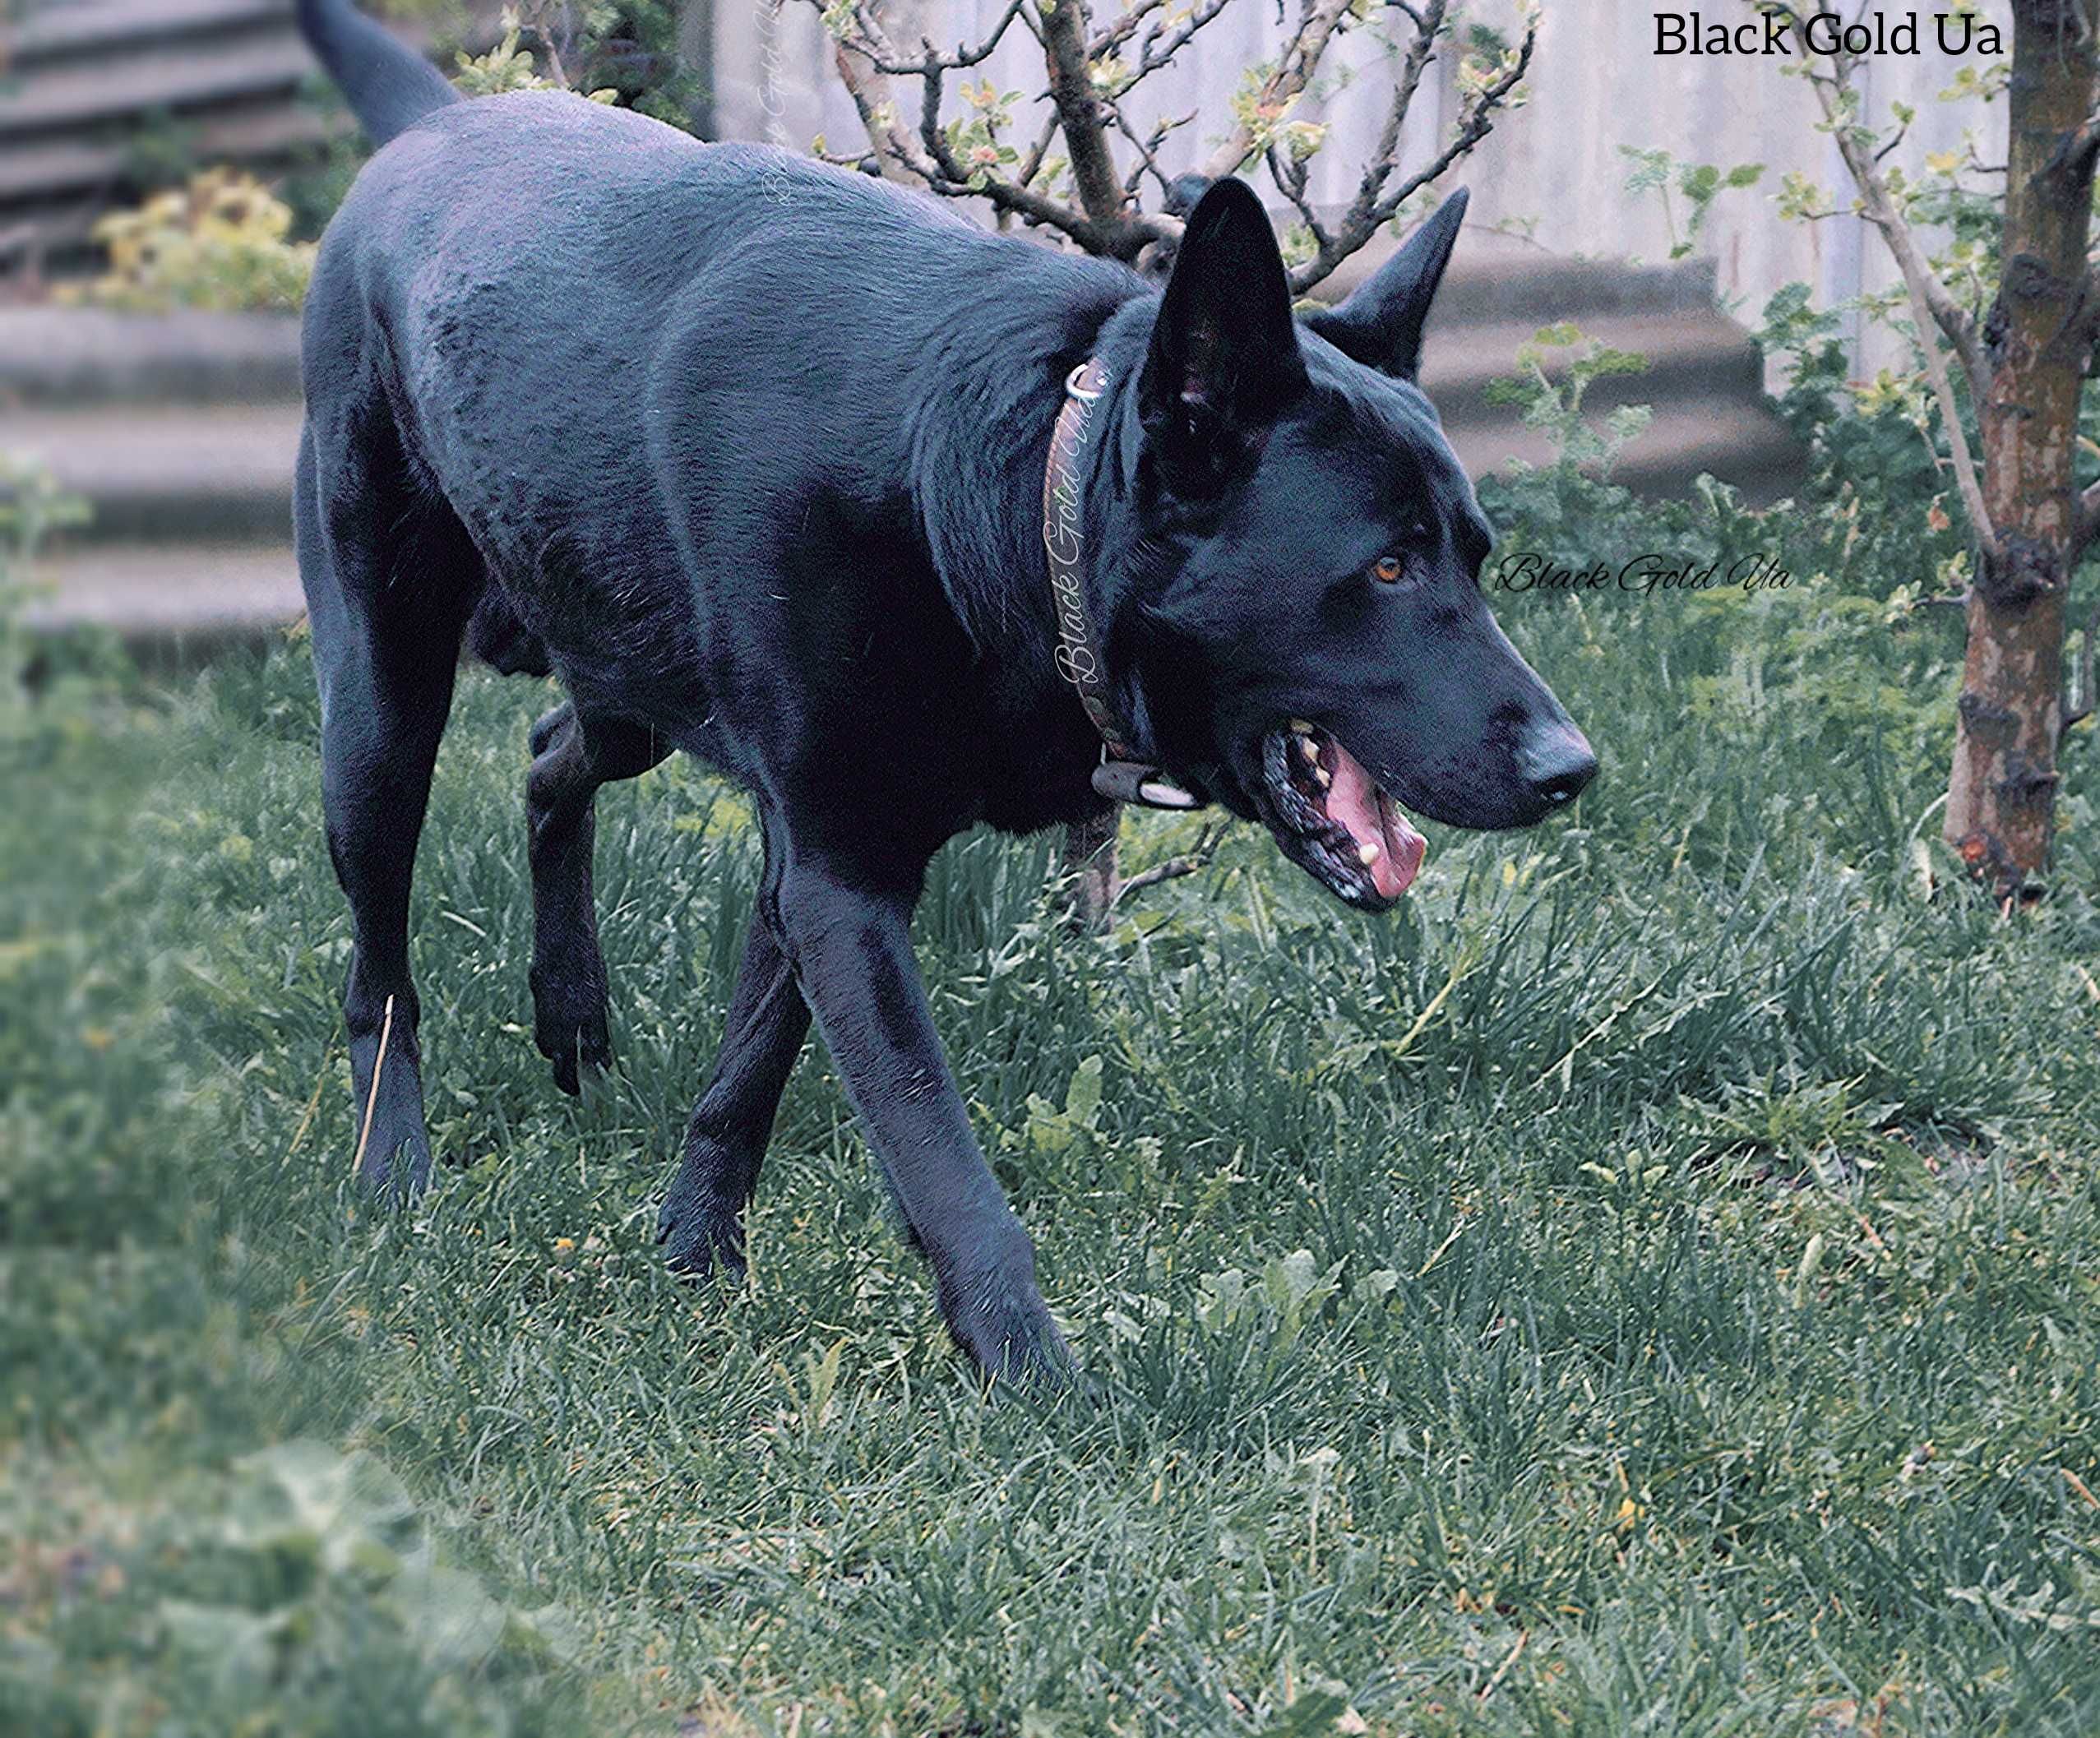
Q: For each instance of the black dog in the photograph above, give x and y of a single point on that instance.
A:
(753, 454)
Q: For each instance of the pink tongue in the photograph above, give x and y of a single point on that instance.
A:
(1372, 819)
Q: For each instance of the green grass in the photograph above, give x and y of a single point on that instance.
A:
(1645, 1286)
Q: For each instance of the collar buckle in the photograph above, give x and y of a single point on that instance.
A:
(1134, 781)
(1077, 382)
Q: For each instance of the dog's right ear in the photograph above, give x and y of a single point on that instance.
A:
(1224, 359)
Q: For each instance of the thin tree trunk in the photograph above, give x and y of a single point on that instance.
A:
(2001, 797)
(1090, 874)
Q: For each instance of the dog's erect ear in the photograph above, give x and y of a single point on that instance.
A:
(1380, 325)
(1224, 358)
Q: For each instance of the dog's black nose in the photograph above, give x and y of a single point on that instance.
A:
(1556, 761)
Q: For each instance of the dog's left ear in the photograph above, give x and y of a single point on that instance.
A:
(1380, 324)
(1225, 359)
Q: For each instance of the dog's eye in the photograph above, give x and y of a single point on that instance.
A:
(1389, 570)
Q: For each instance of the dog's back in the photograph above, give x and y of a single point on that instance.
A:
(618, 354)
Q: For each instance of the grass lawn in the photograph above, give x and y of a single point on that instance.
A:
(1645, 1285)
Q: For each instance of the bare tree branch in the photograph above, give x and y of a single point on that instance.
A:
(1371, 187)
(868, 88)
(1175, 868)
(962, 57)
(1032, 164)
(1378, 198)
(1101, 224)
(1294, 70)
(1087, 84)
(1290, 176)
(1085, 128)
(924, 152)
(1157, 51)
(1147, 150)
(1123, 28)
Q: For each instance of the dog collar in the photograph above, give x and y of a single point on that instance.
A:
(1121, 777)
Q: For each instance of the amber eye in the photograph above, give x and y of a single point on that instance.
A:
(1389, 570)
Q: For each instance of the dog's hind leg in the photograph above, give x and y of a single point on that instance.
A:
(572, 757)
(701, 1225)
(389, 585)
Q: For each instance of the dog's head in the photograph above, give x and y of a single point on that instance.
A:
(1301, 613)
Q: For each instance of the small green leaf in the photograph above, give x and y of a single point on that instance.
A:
(1083, 1095)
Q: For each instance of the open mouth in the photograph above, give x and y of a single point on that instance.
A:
(1332, 820)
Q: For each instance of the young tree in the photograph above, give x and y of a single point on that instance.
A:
(2021, 366)
(1096, 174)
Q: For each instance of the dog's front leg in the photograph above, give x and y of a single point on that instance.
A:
(852, 949)
(702, 1224)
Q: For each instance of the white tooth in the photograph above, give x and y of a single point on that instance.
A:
(1320, 776)
(1310, 749)
(1367, 854)
(1300, 727)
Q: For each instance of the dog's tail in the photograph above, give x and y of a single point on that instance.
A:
(390, 87)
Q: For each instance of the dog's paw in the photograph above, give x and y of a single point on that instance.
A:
(573, 1031)
(702, 1240)
(391, 1156)
(393, 1167)
(581, 1068)
(1004, 1325)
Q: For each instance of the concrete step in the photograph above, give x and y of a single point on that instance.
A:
(80, 358)
(1744, 444)
(171, 474)
(209, 593)
(51, 173)
(1697, 353)
(189, 598)
(1496, 277)
(105, 406)
(83, 81)
(178, 476)
(71, 356)
(36, 240)
(172, 79)
(201, 596)
(99, 29)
